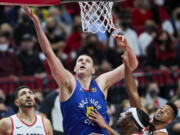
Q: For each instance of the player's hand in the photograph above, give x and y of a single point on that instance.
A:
(97, 118)
(131, 60)
(121, 41)
(29, 12)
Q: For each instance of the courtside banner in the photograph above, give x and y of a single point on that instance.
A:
(30, 2)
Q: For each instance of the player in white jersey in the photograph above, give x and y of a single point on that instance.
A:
(163, 116)
(25, 122)
(157, 132)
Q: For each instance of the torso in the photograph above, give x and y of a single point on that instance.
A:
(19, 127)
(77, 108)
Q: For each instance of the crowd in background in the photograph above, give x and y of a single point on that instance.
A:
(152, 28)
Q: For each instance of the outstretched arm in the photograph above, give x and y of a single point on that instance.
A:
(106, 80)
(99, 120)
(131, 87)
(60, 74)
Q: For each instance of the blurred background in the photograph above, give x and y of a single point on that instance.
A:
(152, 28)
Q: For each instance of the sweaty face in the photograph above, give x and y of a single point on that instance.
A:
(164, 114)
(25, 98)
(84, 65)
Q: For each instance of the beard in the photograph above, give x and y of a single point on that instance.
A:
(28, 105)
(155, 120)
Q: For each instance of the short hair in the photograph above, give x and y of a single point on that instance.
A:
(174, 108)
(89, 55)
(18, 89)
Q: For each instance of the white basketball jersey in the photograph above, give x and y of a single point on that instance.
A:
(155, 132)
(162, 131)
(19, 127)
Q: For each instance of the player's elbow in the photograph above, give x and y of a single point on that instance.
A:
(135, 65)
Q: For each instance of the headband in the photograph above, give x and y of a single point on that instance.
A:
(135, 116)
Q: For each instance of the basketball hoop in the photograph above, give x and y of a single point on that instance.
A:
(96, 15)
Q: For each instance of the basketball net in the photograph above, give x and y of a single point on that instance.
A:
(96, 16)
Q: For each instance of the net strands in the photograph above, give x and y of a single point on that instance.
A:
(96, 16)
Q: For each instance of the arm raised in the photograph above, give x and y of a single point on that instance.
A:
(63, 77)
(130, 84)
(106, 80)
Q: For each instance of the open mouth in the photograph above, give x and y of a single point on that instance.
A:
(158, 115)
(155, 119)
(82, 67)
(28, 100)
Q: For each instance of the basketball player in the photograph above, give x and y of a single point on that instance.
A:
(80, 93)
(132, 121)
(163, 116)
(25, 122)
